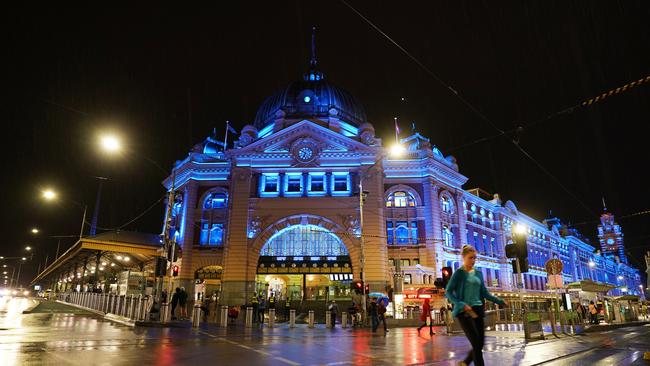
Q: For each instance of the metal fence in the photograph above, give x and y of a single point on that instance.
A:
(132, 307)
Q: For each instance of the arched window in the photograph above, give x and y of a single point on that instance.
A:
(446, 204)
(400, 199)
(448, 236)
(304, 240)
(216, 200)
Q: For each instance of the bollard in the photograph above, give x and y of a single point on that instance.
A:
(196, 315)
(328, 319)
(163, 312)
(132, 311)
(224, 316)
(249, 317)
(344, 319)
(310, 323)
(292, 318)
(138, 308)
(271, 318)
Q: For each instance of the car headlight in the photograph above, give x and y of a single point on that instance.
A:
(25, 293)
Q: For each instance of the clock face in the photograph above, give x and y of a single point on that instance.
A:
(610, 241)
(305, 153)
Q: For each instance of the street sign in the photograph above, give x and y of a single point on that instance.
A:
(555, 281)
(554, 266)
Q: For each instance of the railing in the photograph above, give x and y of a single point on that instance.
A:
(132, 307)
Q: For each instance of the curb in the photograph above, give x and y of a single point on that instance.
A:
(600, 328)
(31, 308)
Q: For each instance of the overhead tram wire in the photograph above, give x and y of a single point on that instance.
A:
(585, 103)
(464, 101)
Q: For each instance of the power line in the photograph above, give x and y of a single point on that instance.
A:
(464, 101)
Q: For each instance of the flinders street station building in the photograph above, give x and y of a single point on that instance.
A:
(308, 200)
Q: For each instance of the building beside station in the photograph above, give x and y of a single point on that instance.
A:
(279, 212)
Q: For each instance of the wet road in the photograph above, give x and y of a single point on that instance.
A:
(59, 335)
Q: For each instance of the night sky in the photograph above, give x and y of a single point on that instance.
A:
(164, 78)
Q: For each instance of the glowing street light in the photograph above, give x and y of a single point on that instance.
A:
(28, 248)
(110, 143)
(620, 278)
(592, 264)
(520, 229)
(48, 194)
(35, 231)
(397, 150)
(24, 258)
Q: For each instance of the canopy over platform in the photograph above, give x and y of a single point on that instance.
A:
(590, 286)
(108, 252)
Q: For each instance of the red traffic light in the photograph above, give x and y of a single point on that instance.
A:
(175, 270)
(446, 272)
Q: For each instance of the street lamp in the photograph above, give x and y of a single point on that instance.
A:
(49, 194)
(34, 231)
(28, 248)
(110, 143)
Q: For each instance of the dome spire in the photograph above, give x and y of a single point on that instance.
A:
(313, 74)
(313, 62)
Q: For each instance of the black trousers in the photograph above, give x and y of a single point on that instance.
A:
(475, 332)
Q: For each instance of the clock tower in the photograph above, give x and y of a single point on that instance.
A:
(611, 236)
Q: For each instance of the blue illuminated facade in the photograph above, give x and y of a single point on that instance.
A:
(284, 201)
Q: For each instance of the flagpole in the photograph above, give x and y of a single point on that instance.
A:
(396, 131)
(225, 140)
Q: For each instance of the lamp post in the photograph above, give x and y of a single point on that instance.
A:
(521, 230)
(396, 150)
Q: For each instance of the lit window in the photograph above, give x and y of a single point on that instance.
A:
(269, 184)
(446, 204)
(211, 234)
(216, 200)
(293, 183)
(400, 199)
(448, 236)
(407, 279)
(317, 183)
(389, 232)
(340, 184)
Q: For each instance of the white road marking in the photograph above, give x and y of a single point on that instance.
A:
(287, 361)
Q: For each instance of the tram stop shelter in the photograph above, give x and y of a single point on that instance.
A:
(121, 262)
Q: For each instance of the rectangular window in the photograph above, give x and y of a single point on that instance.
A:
(340, 184)
(495, 280)
(416, 261)
(317, 183)
(405, 262)
(407, 279)
(216, 234)
(211, 234)
(294, 184)
(414, 232)
(269, 185)
(389, 232)
(401, 232)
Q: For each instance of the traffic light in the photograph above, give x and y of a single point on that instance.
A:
(367, 289)
(523, 265)
(173, 257)
(446, 275)
(438, 283)
(511, 251)
(357, 286)
(161, 266)
(175, 270)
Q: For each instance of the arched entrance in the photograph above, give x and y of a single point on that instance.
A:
(207, 282)
(304, 262)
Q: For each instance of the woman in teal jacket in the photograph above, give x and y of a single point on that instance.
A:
(467, 291)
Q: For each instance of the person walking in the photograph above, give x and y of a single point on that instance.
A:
(182, 303)
(260, 309)
(593, 317)
(426, 314)
(466, 290)
(334, 310)
(287, 308)
(255, 304)
(175, 302)
(381, 312)
(374, 314)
